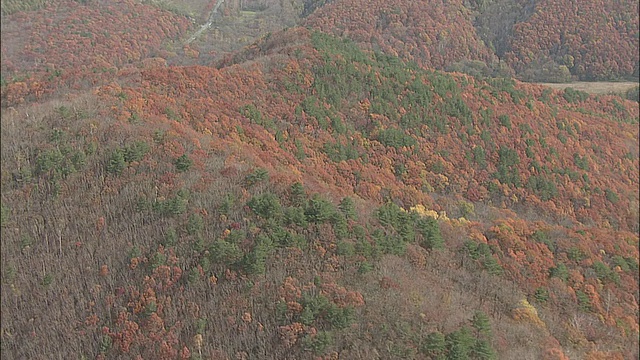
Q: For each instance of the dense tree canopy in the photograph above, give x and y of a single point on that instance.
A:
(307, 198)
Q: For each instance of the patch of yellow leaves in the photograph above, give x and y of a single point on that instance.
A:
(526, 312)
(424, 212)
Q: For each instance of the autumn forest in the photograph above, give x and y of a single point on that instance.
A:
(315, 179)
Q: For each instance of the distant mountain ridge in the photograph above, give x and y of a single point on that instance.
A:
(547, 40)
(535, 40)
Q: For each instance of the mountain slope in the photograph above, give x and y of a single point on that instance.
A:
(549, 41)
(595, 40)
(432, 34)
(306, 198)
(541, 41)
(74, 45)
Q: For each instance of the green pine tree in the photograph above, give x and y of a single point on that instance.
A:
(482, 350)
(116, 164)
(429, 228)
(297, 194)
(183, 163)
(435, 346)
(348, 208)
(481, 324)
(459, 344)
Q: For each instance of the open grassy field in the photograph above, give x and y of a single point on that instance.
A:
(596, 87)
(11, 6)
(191, 8)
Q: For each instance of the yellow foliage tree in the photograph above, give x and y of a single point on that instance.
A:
(525, 312)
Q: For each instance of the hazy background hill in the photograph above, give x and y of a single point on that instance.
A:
(308, 195)
(537, 40)
(550, 41)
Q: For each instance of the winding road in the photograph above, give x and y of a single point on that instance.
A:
(208, 24)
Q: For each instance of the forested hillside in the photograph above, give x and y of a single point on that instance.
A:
(541, 40)
(175, 205)
(431, 33)
(535, 40)
(71, 45)
(305, 197)
(594, 40)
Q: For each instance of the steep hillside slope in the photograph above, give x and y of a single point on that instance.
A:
(537, 40)
(97, 35)
(595, 39)
(541, 40)
(70, 45)
(308, 199)
(430, 33)
(494, 20)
